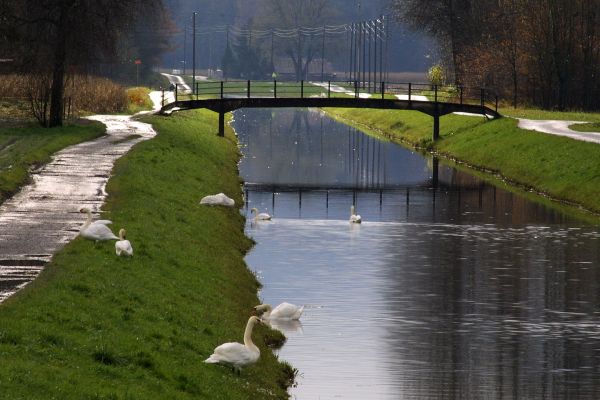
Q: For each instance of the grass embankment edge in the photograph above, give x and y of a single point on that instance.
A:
(97, 326)
(558, 168)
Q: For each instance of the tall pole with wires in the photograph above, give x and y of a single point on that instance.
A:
(323, 57)
(376, 35)
(184, 48)
(364, 53)
(272, 51)
(370, 39)
(383, 78)
(194, 53)
(352, 53)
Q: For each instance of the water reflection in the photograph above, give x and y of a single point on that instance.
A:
(457, 290)
(303, 149)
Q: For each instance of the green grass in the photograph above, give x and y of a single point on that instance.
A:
(590, 127)
(94, 326)
(563, 168)
(27, 147)
(546, 114)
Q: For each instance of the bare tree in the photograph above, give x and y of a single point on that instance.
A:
(51, 35)
(303, 47)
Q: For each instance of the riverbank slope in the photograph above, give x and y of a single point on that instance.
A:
(97, 326)
(561, 168)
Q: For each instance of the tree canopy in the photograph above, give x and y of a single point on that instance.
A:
(539, 52)
(47, 38)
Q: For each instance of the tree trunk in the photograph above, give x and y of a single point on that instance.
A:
(58, 74)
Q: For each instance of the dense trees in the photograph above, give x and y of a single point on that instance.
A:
(50, 38)
(541, 52)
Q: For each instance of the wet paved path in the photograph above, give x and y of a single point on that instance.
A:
(44, 216)
(560, 128)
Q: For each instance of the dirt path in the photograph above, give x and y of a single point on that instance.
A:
(560, 128)
(44, 216)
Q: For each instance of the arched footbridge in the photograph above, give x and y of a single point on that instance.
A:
(436, 101)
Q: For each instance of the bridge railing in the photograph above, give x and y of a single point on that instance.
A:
(305, 89)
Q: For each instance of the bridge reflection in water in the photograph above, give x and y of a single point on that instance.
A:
(450, 289)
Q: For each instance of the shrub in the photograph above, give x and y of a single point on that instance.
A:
(436, 75)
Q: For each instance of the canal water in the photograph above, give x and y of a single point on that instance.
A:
(450, 288)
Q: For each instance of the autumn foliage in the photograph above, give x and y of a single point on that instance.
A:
(543, 53)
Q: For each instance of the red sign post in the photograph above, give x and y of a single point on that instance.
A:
(137, 62)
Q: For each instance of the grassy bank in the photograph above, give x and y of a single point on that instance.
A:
(589, 127)
(28, 147)
(138, 99)
(562, 168)
(94, 326)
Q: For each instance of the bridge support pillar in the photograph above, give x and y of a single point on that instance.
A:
(221, 124)
(436, 127)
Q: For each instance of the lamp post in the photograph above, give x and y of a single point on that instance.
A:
(194, 54)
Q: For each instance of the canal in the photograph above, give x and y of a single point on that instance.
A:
(451, 288)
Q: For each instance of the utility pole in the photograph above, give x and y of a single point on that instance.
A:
(194, 54)
(364, 53)
(370, 39)
(350, 52)
(184, 48)
(376, 33)
(323, 57)
(272, 50)
(352, 55)
(381, 77)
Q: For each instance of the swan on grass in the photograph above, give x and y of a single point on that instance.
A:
(260, 216)
(123, 246)
(96, 230)
(284, 311)
(237, 355)
(354, 218)
(218, 200)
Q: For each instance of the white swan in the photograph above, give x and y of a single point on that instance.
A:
(236, 354)
(218, 200)
(96, 230)
(354, 218)
(284, 311)
(261, 216)
(123, 246)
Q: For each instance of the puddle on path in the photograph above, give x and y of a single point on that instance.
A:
(44, 216)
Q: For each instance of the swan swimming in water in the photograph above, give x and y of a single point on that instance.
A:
(284, 311)
(96, 230)
(354, 218)
(123, 246)
(261, 216)
(236, 354)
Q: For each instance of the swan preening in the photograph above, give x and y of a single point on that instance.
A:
(218, 200)
(123, 246)
(96, 230)
(236, 354)
(260, 216)
(284, 311)
(354, 218)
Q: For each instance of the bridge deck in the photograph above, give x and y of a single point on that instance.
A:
(428, 107)
(227, 101)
